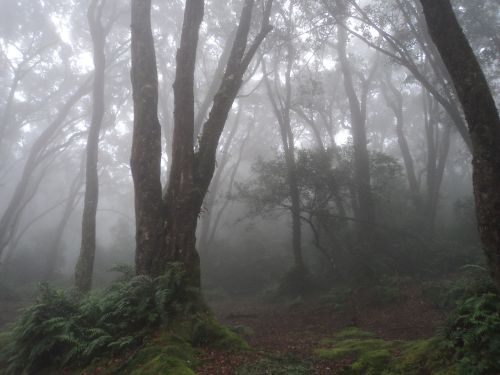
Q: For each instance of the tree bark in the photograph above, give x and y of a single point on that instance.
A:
(482, 119)
(85, 265)
(166, 229)
(145, 160)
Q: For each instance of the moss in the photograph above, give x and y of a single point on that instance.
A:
(277, 365)
(372, 362)
(207, 331)
(173, 349)
(372, 356)
(424, 354)
(353, 332)
(352, 348)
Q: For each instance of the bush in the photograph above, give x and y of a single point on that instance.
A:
(62, 328)
(473, 332)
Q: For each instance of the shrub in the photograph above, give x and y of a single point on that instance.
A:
(62, 328)
(473, 332)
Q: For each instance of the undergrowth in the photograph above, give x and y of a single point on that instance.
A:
(65, 330)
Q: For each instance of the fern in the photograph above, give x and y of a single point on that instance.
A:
(60, 329)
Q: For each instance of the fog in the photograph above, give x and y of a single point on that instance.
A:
(345, 157)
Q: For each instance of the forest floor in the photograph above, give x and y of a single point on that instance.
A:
(281, 331)
(296, 330)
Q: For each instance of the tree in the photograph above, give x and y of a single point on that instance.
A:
(281, 102)
(364, 209)
(166, 226)
(482, 120)
(85, 264)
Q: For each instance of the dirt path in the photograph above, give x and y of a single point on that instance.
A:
(298, 331)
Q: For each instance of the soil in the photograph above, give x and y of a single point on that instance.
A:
(297, 330)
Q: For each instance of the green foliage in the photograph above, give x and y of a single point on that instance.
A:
(473, 332)
(373, 356)
(277, 366)
(447, 294)
(63, 328)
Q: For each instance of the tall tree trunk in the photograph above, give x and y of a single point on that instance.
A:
(55, 250)
(282, 108)
(365, 210)
(180, 206)
(166, 232)
(209, 203)
(145, 160)
(85, 264)
(396, 104)
(482, 119)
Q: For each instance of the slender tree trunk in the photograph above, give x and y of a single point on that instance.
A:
(360, 143)
(85, 264)
(15, 206)
(214, 85)
(232, 176)
(209, 203)
(54, 256)
(396, 104)
(282, 109)
(482, 119)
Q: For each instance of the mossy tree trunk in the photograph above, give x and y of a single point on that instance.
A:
(482, 119)
(166, 227)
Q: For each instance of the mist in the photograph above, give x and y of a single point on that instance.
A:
(281, 172)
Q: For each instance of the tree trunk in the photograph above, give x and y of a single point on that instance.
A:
(145, 160)
(15, 206)
(396, 104)
(282, 108)
(209, 202)
(360, 143)
(482, 119)
(85, 264)
(55, 250)
(166, 229)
